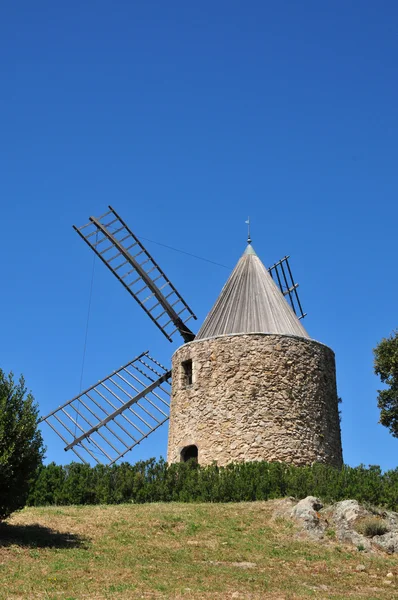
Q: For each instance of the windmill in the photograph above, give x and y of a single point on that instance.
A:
(108, 419)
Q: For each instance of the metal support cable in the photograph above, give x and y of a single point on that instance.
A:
(86, 331)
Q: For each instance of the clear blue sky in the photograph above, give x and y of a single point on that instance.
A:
(187, 117)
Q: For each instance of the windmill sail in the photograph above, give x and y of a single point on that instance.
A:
(123, 253)
(110, 418)
(282, 275)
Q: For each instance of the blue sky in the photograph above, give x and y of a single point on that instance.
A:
(187, 117)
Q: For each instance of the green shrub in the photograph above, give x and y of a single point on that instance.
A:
(155, 481)
(361, 548)
(331, 534)
(21, 444)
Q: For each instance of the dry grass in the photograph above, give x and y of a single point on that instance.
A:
(371, 526)
(179, 551)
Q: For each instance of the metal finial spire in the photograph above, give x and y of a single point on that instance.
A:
(249, 240)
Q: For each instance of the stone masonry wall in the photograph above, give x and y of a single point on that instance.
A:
(256, 397)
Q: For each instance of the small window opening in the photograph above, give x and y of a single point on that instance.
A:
(189, 452)
(187, 372)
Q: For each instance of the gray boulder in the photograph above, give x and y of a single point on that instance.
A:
(387, 542)
(342, 516)
(307, 513)
(348, 511)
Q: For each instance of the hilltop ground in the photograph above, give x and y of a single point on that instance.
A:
(173, 551)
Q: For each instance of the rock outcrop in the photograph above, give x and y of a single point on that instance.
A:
(346, 521)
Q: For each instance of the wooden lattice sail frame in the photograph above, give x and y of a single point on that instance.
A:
(110, 418)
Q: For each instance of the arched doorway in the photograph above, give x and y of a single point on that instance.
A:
(189, 452)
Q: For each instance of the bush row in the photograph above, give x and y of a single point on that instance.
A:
(155, 481)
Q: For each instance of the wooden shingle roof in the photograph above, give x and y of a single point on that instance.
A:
(250, 302)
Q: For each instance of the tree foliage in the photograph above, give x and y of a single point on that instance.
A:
(21, 444)
(386, 366)
(155, 481)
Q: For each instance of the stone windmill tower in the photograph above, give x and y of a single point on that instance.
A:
(250, 385)
(253, 385)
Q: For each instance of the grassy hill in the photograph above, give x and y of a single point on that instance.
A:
(190, 551)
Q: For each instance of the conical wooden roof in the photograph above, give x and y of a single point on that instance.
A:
(250, 302)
